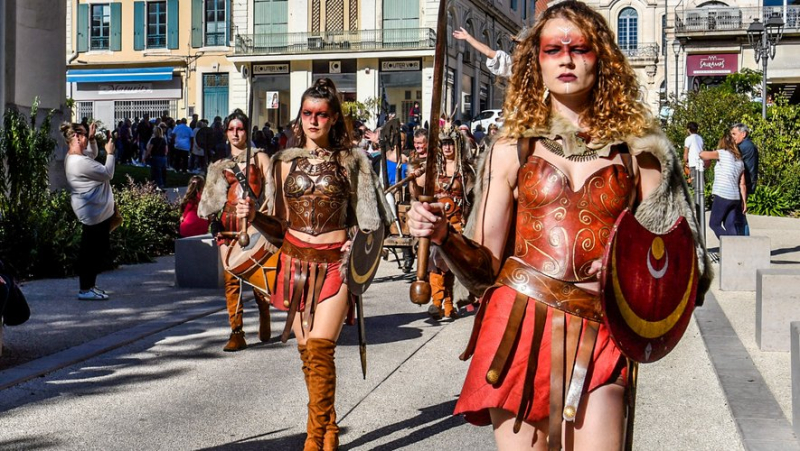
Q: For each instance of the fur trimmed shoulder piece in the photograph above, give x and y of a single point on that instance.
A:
(366, 196)
(657, 213)
(215, 192)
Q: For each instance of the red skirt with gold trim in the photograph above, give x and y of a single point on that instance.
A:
(478, 396)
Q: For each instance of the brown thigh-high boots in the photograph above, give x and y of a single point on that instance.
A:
(236, 341)
(264, 329)
(320, 372)
(437, 294)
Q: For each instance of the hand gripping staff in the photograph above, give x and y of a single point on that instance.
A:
(421, 289)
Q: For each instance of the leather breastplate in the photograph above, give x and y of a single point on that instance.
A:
(317, 196)
(559, 231)
(228, 216)
(450, 191)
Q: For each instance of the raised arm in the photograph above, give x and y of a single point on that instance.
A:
(462, 34)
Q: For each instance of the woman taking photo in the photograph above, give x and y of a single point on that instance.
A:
(729, 190)
(323, 190)
(92, 201)
(576, 149)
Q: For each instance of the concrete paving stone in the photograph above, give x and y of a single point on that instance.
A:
(760, 429)
(770, 445)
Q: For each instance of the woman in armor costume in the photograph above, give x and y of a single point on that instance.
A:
(218, 203)
(577, 148)
(455, 180)
(323, 189)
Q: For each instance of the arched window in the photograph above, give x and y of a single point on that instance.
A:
(628, 29)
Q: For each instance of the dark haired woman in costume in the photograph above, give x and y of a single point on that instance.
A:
(577, 148)
(218, 203)
(322, 190)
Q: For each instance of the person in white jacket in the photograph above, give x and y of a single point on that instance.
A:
(92, 201)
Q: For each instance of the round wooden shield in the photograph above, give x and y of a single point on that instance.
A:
(365, 255)
(649, 285)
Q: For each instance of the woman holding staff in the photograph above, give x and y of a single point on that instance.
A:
(577, 148)
(323, 190)
(218, 202)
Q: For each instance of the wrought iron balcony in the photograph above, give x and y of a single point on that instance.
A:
(644, 52)
(731, 20)
(99, 43)
(156, 41)
(335, 41)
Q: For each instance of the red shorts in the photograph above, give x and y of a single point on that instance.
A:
(478, 396)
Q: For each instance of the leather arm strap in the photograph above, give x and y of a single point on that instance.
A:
(271, 227)
(469, 261)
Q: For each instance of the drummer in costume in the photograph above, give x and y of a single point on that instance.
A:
(323, 190)
(218, 203)
(578, 148)
(455, 180)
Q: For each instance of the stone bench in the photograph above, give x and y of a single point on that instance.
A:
(794, 333)
(197, 263)
(740, 258)
(777, 305)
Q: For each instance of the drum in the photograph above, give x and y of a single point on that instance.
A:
(255, 264)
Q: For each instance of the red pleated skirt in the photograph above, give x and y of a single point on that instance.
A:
(478, 396)
(333, 276)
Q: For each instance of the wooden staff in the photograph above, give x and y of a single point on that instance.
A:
(399, 184)
(244, 238)
(421, 289)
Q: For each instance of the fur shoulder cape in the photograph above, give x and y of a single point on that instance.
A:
(366, 197)
(657, 212)
(215, 192)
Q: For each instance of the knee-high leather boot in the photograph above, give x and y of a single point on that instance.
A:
(236, 341)
(264, 329)
(323, 434)
(437, 294)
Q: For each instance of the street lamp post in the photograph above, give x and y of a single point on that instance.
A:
(677, 47)
(764, 39)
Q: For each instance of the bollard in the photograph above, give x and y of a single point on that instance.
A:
(777, 304)
(740, 258)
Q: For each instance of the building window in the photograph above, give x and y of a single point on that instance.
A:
(101, 27)
(514, 5)
(215, 23)
(628, 29)
(157, 25)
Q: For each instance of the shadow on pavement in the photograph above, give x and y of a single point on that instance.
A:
(384, 329)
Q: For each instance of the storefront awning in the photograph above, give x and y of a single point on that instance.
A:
(118, 75)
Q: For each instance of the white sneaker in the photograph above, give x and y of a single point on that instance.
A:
(91, 295)
(99, 290)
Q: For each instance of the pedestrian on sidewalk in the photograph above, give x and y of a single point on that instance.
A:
(577, 149)
(218, 203)
(323, 188)
(190, 223)
(92, 201)
(730, 189)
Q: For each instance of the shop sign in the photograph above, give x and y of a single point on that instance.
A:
(718, 64)
(270, 69)
(125, 88)
(397, 66)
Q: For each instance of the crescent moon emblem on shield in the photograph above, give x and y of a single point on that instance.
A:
(657, 251)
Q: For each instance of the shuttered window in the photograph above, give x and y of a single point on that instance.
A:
(156, 25)
(101, 27)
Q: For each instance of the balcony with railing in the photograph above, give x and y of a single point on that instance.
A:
(732, 20)
(641, 53)
(335, 41)
(98, 43)
(156, 41)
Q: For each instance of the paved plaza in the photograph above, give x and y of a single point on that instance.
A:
(146, 371)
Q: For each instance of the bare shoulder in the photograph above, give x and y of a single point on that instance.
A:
(503, 160)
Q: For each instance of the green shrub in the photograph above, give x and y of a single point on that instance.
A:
(150, 224)
(769, 201)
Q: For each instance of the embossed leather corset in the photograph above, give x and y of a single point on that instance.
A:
(560, 231)
(450, 191)
(228, 216)
(317, 196)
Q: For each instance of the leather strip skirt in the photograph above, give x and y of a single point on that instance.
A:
(308, 275)
(534, 356)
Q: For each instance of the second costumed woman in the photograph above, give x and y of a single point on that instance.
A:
(218, 202)
(323, 190)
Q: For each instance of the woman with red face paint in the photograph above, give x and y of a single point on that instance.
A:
(218, 203)
(323, 189)
(577, 148)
